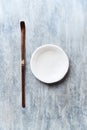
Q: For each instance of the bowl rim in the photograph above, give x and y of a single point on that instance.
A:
(44, 46)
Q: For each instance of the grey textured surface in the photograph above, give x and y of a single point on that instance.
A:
(61, 106)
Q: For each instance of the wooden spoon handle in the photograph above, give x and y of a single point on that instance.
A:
(22, 26)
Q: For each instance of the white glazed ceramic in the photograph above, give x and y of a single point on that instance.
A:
(49, 63)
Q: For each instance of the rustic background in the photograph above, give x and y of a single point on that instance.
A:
(60, 106)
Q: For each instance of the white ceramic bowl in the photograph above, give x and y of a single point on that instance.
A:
(49, 63)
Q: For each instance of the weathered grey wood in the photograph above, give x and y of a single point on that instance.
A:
(61, 106)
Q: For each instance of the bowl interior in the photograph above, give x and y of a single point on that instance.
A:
(49, 63)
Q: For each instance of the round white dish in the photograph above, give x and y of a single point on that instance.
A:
(49, 63)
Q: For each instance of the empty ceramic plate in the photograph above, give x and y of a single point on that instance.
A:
(49, 63)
